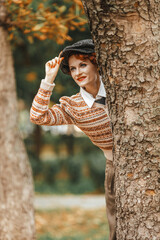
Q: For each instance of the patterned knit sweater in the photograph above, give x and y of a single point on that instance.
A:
(94, 122)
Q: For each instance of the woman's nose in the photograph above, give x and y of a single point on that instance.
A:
(78, 71)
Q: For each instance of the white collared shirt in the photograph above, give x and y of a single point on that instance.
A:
(89, 99)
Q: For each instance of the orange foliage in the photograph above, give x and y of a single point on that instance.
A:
(44, 21)
(32, 76)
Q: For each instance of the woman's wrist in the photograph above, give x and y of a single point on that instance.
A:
(49, 79)
(46, 85)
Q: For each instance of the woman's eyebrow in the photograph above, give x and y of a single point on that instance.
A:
(71, 66)
(83, 61)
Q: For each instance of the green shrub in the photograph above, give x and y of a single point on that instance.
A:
(74, 167)
(50, 169)
(96, 163)
(36, 165)
(85, 185)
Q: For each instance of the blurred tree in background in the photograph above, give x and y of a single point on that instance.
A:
(22, 21)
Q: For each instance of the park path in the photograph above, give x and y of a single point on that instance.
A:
(88, 202)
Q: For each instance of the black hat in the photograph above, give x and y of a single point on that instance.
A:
(85, 46)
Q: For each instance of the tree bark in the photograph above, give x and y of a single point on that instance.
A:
(16, 186)
(126, 36)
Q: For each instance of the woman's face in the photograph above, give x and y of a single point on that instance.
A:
(83, 72)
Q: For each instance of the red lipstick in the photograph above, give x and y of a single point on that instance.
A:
(81, 79)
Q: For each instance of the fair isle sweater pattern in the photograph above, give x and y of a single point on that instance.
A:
(94, 122)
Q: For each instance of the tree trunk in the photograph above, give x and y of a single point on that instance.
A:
(16, 186)
(126, 36)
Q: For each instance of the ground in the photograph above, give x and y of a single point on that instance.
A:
(72, 223)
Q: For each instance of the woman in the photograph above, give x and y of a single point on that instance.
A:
(86, 109)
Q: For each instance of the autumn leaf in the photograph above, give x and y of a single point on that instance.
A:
(62, 9)
(38, 27)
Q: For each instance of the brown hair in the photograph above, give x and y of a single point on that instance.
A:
(91, 57)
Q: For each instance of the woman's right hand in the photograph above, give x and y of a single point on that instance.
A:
(51, 68)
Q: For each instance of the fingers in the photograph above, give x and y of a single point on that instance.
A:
(52, 63)
(60, 60)
(57, 60)
(60, 54)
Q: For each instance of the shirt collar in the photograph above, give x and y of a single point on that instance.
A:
(88, 98)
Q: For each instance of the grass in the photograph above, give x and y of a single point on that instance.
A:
(72, 224)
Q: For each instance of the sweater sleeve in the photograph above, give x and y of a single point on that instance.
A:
(40, 112)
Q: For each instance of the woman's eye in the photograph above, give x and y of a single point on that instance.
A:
(83, 65)
(72, 69)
